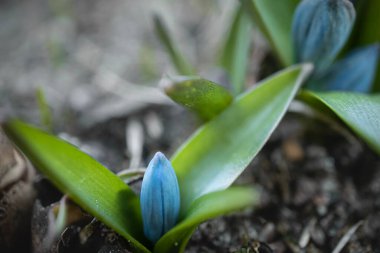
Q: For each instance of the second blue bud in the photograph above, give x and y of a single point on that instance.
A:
(320, 30)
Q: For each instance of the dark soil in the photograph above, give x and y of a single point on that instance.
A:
(315, 186)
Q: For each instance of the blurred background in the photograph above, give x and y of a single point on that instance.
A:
(98, 59)
(96, 65)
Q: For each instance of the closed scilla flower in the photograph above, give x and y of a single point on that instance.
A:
(160, 198)
(320, 30)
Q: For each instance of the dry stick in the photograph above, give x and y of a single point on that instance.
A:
(134, 134)
(56, 225)
(15, 172)
(342, 243)
(154, 125)
(305, 236)
(130, 176)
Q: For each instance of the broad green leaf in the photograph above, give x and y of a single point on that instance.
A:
(205, 98)
(180, 63)
(206, 207)
(235, 53)
(359, 111)
(367, 29)
(220, 150)
(86, 181)
(274, 19)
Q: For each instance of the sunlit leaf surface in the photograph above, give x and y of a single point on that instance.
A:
(220, 150)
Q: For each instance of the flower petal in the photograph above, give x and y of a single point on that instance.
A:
(356, 72)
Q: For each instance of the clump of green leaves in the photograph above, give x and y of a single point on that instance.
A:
(206, 166)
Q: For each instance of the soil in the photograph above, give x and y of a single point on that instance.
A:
(318, 190)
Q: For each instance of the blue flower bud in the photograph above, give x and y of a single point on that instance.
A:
(355, 72)
(160, 198)
(320, 29)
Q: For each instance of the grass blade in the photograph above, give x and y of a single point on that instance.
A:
(235, 53)
(86, 181)
(179, 62)
(45, 111)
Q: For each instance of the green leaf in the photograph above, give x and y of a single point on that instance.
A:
(205, 98)
(86, 181)
(359, 111)
(367, 24)
(274, 19)
(45, 112)
(235, 54)
(367, 29)
(220, 150)
(180, 63)
(206, 207)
